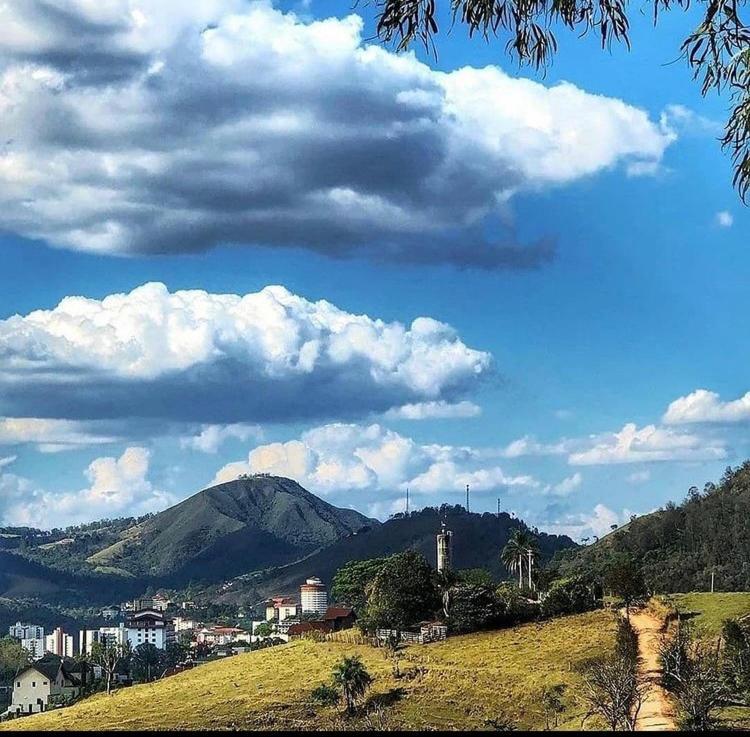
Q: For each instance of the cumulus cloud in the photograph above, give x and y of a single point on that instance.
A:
(192, 356)
(638, 477)
(706, 406)
(347, 457)
(170, 127)
(212, 437)
(528, 445)
(568, 485)
(596, 523)
(647, 444)
(434, 410)
(117, 486)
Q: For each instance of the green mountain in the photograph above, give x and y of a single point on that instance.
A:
(681, 545)
(478, 539)
(220, 532)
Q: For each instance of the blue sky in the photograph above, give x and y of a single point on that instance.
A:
(633, 302)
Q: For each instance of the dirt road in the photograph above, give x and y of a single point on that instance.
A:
(657, 713)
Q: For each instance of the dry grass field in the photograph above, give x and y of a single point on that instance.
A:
(465, 682)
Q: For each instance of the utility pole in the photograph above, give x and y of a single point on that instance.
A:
(712, 581)
(467, 497)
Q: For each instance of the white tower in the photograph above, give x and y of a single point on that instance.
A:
(444, 550)
(314, 596)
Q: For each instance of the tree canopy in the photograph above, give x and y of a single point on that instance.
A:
(717, 51)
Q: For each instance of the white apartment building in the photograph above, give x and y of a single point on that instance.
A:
(26, 631)
(149, 626)
(34, 646)
(58, 643)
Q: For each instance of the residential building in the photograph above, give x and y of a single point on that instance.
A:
(335, 619)
(111, 612)
(280, 608)
(88, 638)
(58, 643)
(26, 631)
(158, 603)
(34, 646)
(109, 636)
(149, 626)
(181, 624)
(314, 596)
(221, 635)
(37, 685)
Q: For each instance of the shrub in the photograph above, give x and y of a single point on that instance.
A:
(568, 596)
(325, 695)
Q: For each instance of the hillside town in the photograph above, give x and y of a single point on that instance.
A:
(65, 665)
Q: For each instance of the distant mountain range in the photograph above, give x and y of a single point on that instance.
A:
(259, 534)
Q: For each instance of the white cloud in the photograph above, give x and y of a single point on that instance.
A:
(117, 487)
(703, 406)
(270, 356)
(596, 523)
(638, 477)
(212, 437)
(724, 219)
(528, 445)
(7, 461)
(178, 126)
(346, 457)
(648, 444)
(568, 485)
(50, 435)
(434, 410)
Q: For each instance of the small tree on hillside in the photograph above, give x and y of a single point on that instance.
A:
(147, 661)
(352, 678)
(109, 657)
(624, 579)
(613, 688)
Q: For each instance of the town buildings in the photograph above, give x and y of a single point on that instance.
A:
(280, 608)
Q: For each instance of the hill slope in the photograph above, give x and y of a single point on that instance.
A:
(466, 681)
(681, 545)
(242, 525)
(478, 539)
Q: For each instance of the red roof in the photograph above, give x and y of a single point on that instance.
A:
(338, 612)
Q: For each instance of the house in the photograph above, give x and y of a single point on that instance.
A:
(221, 635)
(280, 608)
(149, 626)
(335, 619)
(38, 686)
(111, 612)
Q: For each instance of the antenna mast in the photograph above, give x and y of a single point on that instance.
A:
(407, 500)
(467, 497)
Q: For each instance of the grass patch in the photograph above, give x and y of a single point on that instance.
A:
(461, 683)
(711, 610)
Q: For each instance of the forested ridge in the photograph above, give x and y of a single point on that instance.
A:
(680, 546)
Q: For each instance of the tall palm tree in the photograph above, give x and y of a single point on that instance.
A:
(520, 550)
(351, 676)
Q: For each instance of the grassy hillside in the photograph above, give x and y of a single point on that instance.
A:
(466, 681)
(711, 610)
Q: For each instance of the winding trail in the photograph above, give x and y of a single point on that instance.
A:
(657, 713)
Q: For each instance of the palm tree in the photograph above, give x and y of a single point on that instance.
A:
(521, 548)
(351, 676)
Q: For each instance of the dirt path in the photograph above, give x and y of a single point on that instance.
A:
(656, 713)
